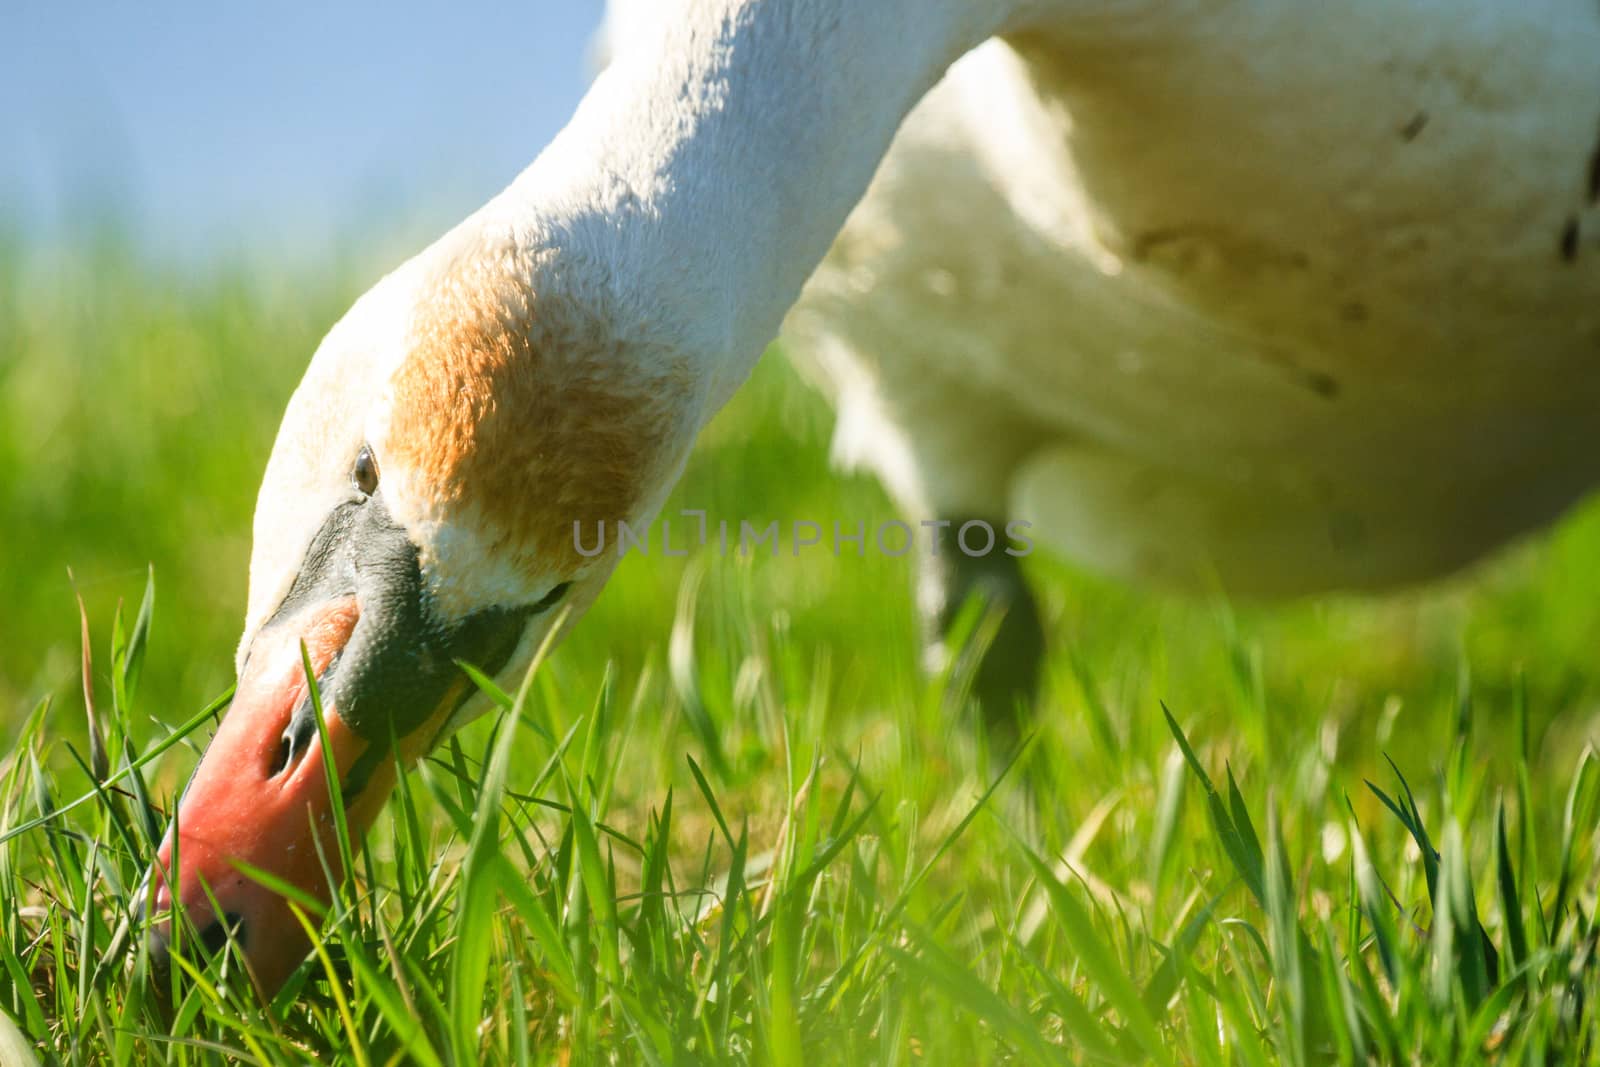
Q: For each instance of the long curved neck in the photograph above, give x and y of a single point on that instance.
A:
(712, 164)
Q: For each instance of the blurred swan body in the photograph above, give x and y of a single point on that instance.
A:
(1292, 296)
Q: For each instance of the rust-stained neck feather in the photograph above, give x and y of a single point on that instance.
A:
(523, 413)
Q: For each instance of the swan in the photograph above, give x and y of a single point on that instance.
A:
(1287, 296)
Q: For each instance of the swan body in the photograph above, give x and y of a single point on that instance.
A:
(1296, 294)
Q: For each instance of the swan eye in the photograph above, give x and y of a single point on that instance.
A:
(364, 475)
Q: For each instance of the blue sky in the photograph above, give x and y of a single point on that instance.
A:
(222, 126)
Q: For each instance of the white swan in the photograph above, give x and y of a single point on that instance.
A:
(1292, 294)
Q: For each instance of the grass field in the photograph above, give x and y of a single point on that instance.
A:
(729, 823)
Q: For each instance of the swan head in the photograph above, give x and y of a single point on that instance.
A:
(417, 513)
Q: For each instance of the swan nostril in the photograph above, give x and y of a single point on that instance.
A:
(280, 761)
(295, 742)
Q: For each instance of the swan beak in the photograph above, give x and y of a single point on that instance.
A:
(260, 797)
(359, 616)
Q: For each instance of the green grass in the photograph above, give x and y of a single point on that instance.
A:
(727, 821)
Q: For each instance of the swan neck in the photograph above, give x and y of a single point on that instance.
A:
(719, 154)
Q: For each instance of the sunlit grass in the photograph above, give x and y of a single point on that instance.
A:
(728, 822)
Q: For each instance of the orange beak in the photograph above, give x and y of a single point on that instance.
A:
(254, 800)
